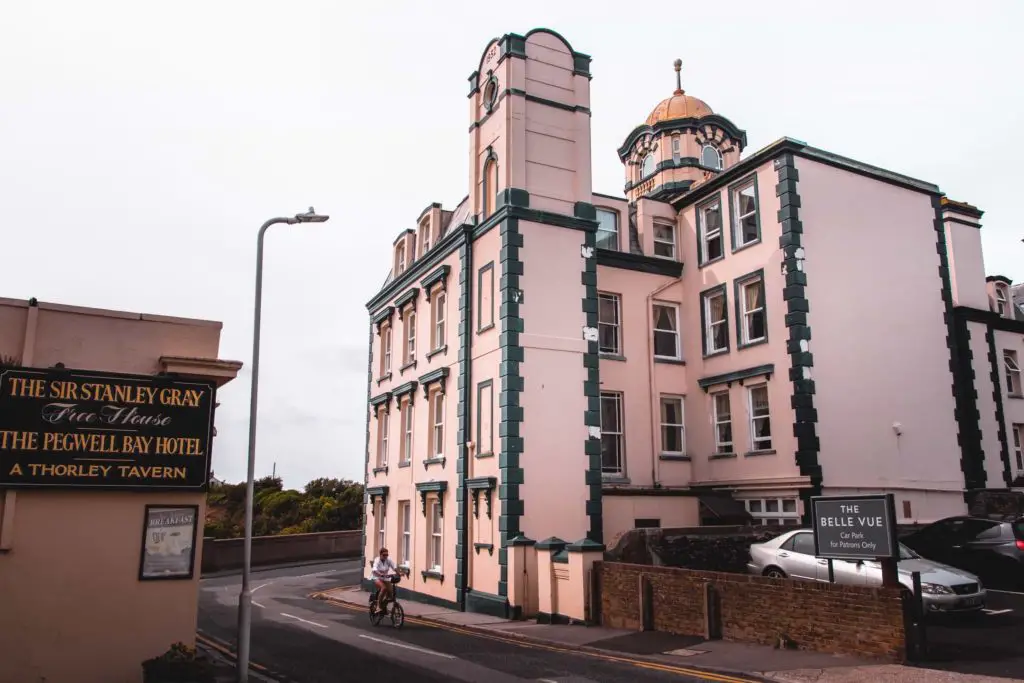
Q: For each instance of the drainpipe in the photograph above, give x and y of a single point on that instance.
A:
(650, 371)
(467, 450)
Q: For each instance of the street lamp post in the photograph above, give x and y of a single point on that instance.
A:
(245, 596)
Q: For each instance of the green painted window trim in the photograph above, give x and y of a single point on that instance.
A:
(438, 276)
(733, 190)
(738, 284)
(438, 376)
(706, 383)
(381, 399)
(383, 315)
(408, 298)
(486, 385)
(698, 218)
(723, 288)
(487, 270)
(407, 388)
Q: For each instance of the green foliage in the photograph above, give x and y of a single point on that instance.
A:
(323, 505)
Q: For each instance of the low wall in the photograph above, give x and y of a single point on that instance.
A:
(838, 619)
(226, 553)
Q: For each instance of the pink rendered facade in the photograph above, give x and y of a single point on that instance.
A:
(551, 367)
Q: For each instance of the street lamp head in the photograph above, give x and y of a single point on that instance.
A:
(310, 216)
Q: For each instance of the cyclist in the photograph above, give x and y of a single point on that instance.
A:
(383, 567)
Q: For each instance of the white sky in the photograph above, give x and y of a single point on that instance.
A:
(142, 144)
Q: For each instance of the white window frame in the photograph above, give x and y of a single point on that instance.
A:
(382, 526)
(619, 436)
(738, 218)
(386, 344)
(1018, 446)
(680, 426)
(675, 333)
(439, 322)
(437, 401)
(383, 424)
(779, 518)
(407, 430)
(722, 447)
(400, 259)
(707, 236)
(710, 325)
(436, 550)
(1002, 299)
(604, 232)
(616, 325)
(1012, 367)
(425, 239)
(675, 146)
(410, 337)
(405, 519)
(671, 243)
(644, 172)
(719, 162)
(759, 443)
(746, 316)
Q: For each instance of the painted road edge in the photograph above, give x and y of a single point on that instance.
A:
(706, 673)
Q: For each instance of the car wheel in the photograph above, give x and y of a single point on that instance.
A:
(774, 573)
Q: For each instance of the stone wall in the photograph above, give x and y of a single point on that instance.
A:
(836, 619)
(723, 549)
(224, 554)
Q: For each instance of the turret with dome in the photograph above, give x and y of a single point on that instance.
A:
(682, 143)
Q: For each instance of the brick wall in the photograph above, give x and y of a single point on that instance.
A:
(827, 618)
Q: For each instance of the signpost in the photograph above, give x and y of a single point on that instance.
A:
(857, 528)
(98, 430)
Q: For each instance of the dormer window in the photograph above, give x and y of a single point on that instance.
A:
(1002, 300)
(711, 158)
(425, 236)
(400, 258)
(647, 166)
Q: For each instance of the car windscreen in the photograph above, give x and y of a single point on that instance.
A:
(906, 553)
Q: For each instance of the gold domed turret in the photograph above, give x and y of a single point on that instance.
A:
(680, 105)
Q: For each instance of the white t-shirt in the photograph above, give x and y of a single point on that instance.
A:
(381, 567)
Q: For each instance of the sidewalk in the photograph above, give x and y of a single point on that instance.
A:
(785, 666)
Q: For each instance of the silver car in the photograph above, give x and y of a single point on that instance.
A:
(943, 588)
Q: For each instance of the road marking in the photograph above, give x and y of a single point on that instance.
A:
(996, 611)
(258, 604)
(992, 590)
(262, 585)
(407, 647)
(225, 649)
(304, 621)
(667, 668)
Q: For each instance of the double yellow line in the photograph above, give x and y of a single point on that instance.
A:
(654, 666)
(225, 649)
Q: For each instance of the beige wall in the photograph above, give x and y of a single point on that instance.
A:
(74, 610)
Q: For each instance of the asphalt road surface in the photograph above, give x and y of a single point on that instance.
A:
(989, 644)
(310, 641)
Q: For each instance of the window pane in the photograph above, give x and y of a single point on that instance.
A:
(804, 544)
(771, 505)
(671, 411)
(610, 413)
(665, 344)
(754, 505)
(759, 401)
(647, 166)
(607, 229)
(664, 318)
(722, 406)
(607, 309)
(716, 308)
(789, 505)
(709, 157)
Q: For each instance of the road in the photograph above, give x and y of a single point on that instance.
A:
(989, 644)
(310, 641)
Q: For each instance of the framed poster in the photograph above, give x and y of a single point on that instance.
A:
(169, 542)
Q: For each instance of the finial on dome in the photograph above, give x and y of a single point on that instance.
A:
(678, 64)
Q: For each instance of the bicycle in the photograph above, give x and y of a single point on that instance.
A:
(397, 614)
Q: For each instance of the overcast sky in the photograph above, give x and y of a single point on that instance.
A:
(142, 144)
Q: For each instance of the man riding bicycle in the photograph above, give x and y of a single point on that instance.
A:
(383, 567)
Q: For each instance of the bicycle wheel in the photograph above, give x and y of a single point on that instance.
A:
(397, 615)
(375, 615)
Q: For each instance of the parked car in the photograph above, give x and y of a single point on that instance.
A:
(990, 548)
(943, 588)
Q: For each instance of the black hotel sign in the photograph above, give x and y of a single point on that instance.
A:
(855, 527)
(77, 429)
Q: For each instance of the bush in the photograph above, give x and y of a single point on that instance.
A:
(178, 665)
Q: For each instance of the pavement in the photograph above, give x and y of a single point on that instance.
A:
(303, 640)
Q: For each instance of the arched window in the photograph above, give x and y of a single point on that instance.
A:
(647, 165)
(490, 186)
(710, 158)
